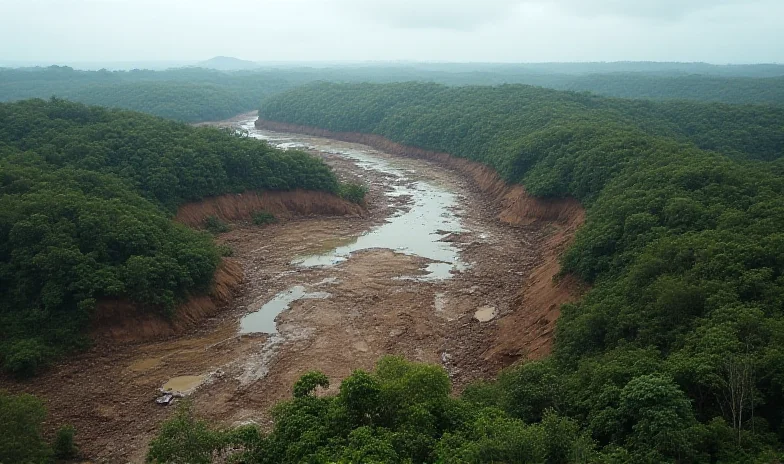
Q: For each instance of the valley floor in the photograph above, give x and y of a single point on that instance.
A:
(376, 302)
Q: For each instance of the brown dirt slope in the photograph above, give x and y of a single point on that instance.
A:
(234, 207)
(527, 332)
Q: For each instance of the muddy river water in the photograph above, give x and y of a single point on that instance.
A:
(419, 230)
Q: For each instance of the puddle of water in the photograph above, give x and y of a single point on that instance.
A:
(485, 314)
(184, 384)
(263, 320)
(328, 245)
(416, 231)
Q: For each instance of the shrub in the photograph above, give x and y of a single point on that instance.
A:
(261, 218)
(354, 193)
(215, 226)
(21, 417)
(25, 357)
(185, 439)
(64, 446)
(225, 250)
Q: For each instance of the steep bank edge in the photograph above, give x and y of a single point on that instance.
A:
(121, 321)
(241, 206)
(529, 330)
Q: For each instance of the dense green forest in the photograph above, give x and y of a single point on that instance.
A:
(196, 94)
(487, 123)
(662, 68)
(690, 87)
(188, 95)
(86, 198)
(675, 354)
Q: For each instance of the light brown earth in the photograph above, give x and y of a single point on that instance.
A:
(108, 393)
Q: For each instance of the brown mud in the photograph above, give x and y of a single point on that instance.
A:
(376, 306)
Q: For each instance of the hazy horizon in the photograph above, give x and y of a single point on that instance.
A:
(388, 31)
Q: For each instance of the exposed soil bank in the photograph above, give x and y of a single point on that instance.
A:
(120, 321)
(528, 331)
(241, 206)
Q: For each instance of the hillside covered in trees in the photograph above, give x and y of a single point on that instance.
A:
(86, 199)
(488, 123)
(188, 95)
(675, 354)
(196, 94)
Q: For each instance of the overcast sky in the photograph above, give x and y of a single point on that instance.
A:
(716, 31)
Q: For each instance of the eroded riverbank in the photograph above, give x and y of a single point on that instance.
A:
(409, 278)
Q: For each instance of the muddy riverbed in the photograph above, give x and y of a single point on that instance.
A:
(426, 273)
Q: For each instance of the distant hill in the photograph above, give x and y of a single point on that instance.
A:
(227, 63)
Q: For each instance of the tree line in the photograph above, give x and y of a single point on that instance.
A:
(196, 94)
(675, 354)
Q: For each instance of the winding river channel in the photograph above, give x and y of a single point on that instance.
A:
(419, 229)
(424, 272)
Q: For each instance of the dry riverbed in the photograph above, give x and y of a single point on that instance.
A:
(426, 273)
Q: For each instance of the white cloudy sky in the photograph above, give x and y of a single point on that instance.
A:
(717, 31)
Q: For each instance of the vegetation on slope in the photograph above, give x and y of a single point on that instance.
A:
(691, 87)
(188, 95)
(496, 125)
(86, 196)
(675, 355)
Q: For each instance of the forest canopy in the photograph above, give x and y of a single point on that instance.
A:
(197, 94)
(675, 354)
(86, 198)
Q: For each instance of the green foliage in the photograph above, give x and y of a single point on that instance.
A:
(354, 193)
(656, 415)
(193, 94)
(307, 384)
(261, 218)
(188, 95)
(86, 198)
(570, 142)
(24, 357)
(21, 417)
(225, 250)
(64, 446)
(494, 438)
(401, 413)
(215, 226)
(683, 326)
(185, 439)
(724, 89)
(396, 414)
